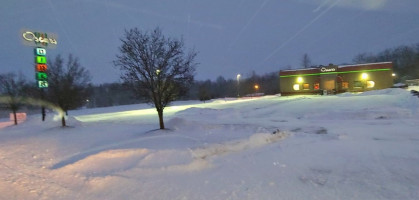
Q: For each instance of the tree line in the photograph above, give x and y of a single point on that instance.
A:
(240, 86)
(114, 94)
(405, 60)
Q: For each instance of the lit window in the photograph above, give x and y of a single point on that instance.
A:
(370, 84)
(296, 86)
(345, 85)
(306, 86)
(317, 86)
(357, 84)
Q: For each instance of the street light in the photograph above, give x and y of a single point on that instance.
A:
(238, 85)
(256, 89)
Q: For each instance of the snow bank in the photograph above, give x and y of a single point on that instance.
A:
(399, 103)
(210, 113)
(107, 162)
(254, 141)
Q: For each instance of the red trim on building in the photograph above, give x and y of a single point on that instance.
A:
(299, 71)
(371, 66)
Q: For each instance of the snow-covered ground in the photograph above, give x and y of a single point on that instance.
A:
(348, 146)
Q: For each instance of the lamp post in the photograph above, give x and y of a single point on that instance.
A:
(238, 85)
(256, 88)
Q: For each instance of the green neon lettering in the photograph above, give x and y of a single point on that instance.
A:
(347, 72)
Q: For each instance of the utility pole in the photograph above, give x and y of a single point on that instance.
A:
(238, 85)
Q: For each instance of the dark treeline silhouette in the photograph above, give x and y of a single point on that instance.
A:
(405, 60)
(114, 94)
(268, 84)
(111, 94)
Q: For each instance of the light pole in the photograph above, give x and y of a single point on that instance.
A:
(238, 85)
(256, 89)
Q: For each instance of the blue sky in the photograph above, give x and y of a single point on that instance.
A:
(231, 36)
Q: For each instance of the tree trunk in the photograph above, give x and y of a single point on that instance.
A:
(160, 112)
(15, 117)
(63, 121)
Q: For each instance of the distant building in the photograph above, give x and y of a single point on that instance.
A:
(337, 79)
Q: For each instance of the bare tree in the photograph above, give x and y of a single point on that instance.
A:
(306, 61)
(68, 85)
(204, 93)
(155, 67)
(12, 92)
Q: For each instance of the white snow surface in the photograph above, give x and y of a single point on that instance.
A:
(348, 146)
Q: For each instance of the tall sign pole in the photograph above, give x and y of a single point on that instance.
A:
(40, 41)
(41, 74)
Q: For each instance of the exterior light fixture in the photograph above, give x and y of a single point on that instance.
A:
(364, 76)
(299, 80)
(393, 74)
(296, 86)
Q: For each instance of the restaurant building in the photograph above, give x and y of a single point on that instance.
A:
(337, 79)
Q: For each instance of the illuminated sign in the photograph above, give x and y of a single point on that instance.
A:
(42, 84)
(41, 68)
(41, 41)
(324, 69)
(345, 72)
(41, 76)
(40, 59)
(32, 38)
(40, 51)
(317, 86)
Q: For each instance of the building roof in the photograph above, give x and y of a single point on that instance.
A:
(364, 64)
(380, 66)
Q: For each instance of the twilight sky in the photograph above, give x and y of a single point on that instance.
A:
(231, 36)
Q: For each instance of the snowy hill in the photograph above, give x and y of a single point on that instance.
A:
(349, 146)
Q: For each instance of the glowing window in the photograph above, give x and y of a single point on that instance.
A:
(317, 86)
(306, 86)
(345, 85)
(370, 84)
(357, 84)
(296, 87)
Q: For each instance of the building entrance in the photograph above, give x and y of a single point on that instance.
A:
(329, 84)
